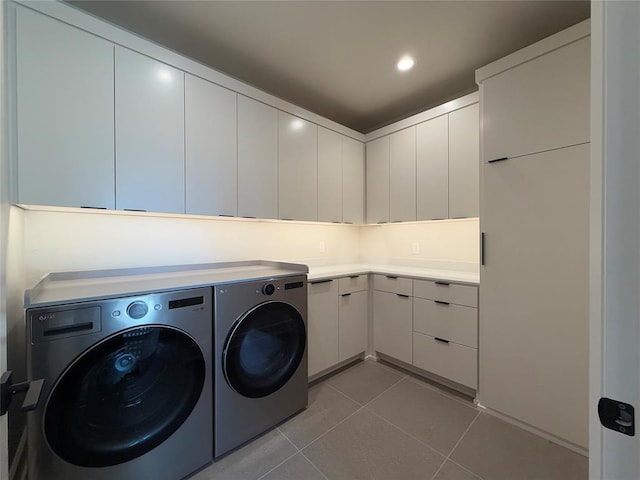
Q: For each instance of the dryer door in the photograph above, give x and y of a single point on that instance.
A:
(124, 396)
(264, 349)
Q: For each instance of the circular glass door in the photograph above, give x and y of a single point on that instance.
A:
(264, 349)
(124, 396)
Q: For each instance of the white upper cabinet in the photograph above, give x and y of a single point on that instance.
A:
(257, 159)
(402, 175)
(329, 176)
(352, 181)
(211, 148)
(541, 105)
(378, 180)
(297, 168)
(432, 169)
(464, 162)
(64, 114)
(149, 106)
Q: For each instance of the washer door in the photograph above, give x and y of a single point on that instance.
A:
(124, 396)
(264, 349)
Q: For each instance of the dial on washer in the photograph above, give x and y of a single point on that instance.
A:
(137, 310)
(268, 289)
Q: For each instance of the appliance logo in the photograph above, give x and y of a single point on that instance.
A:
(47, 316)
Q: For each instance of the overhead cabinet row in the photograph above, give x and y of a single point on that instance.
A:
(428, 171)
(102, 126)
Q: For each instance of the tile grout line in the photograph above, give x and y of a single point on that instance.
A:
(463, 434)
(283, 461)
(314, 465)
(456, 446)
(421, 442)
(361, 407)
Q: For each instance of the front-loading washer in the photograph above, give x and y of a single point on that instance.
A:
(127, 387)
(260, 364)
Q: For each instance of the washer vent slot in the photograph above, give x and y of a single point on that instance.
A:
(69, 329)
(186, 302)
(289, 286)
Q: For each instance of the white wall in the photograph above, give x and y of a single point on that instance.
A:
(442, 240)
(69, 240)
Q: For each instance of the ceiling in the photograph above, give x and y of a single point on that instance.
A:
(337, 58)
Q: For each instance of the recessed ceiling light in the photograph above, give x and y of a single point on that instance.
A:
(405, 63)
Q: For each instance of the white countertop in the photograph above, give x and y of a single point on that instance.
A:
(67, 287)
(431, 272)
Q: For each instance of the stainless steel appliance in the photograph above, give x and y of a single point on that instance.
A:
(260, 357)
(127, 387)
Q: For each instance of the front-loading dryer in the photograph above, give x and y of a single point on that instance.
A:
(127, 387)
(260, 357)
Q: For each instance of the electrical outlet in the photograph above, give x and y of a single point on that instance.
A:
(322, 247)
(415, 248)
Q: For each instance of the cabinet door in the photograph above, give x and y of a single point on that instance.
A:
(432, 169)
(534, 299)
(149, 134)
(297, 168)
(211, 148)
(464, 162)
(402, 175)
(257, 159)
(64, 114)
(539, 105)
(352, 181)
(392, 325)
(322, 325)
(353, 324)
(378, 180)
(329, 176)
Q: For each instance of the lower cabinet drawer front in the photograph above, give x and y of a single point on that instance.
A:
(353, 283)
(393, 284)
(452, 322)
(446, 292)
(449, 360)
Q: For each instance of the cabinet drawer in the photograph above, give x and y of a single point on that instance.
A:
(448, 321)
(446, 292)
(393, 284)
(352, 283)
(449, 360)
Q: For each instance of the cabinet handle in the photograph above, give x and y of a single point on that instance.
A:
(347, 223)
(134, 210)
(354, 276)
(392, 277)
(246, 216)
(441, 340)
(379, 223)
(501, 159)
(482, 248)
(94, 208)
(225, 215)
(402, 296)
(441, 303)
(288, 219)
(345, 295)
(443, 284)
(321, 281)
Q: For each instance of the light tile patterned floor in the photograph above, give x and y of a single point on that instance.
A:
(372, 421)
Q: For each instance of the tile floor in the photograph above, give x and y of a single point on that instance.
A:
(372, 421)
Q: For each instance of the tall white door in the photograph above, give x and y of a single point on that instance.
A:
(615, 233)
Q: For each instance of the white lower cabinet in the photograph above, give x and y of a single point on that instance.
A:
(447, 359)
(392, 325)
(337, 321)
(322, 325)
(445, 330)
(352, 335)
